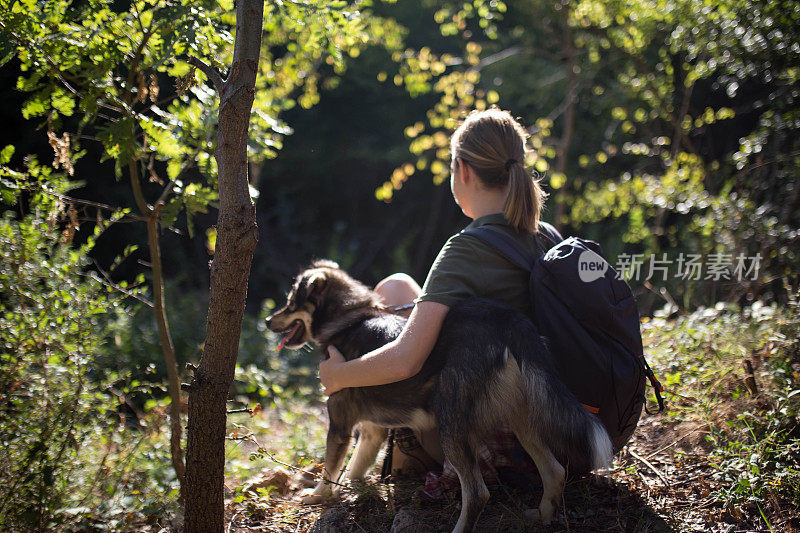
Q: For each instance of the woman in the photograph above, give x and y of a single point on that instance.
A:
(490, 184)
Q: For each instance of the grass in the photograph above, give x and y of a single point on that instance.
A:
(733, 375)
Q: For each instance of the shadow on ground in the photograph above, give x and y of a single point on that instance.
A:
(589, 504)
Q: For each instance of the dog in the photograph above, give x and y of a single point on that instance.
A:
(489, 368)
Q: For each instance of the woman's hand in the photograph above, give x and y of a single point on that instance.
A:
(329, 369)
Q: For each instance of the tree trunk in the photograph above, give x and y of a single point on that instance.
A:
(237, 236)
(164, 338)
(562, 152)
(167, 350)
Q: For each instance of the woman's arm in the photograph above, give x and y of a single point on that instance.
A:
(395, 361)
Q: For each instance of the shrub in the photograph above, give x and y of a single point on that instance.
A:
(48, 336)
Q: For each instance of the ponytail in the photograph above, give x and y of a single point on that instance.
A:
(493, 144)
(525, 199)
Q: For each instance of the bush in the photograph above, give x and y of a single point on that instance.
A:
(48, 323)
(735, 372)
(69, 459)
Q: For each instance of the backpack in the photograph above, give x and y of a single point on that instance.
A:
(590, 318)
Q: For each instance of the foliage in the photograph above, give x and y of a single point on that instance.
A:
(632, 110)
(98, 73)
(263, 374)
(60, 426)
(696, 73)
(83, 409)
(751, 420)
(134, 348)
(95, 72)
(292, 431)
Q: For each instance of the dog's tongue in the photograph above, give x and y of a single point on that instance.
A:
(288, 336)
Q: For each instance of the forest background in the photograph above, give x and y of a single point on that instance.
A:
(657, 128)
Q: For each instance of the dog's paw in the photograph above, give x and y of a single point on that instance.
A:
(311, 498)
(537, 515)
(531, 514)
(316, 496)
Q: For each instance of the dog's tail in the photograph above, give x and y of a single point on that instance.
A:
(574, 435)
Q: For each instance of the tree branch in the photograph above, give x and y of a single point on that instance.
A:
(141, 203)
(108, 283)
(162, 199)
(501, 55)
(210, 72)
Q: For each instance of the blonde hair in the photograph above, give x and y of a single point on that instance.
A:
(492, 143)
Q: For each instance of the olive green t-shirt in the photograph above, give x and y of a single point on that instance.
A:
(466, 266)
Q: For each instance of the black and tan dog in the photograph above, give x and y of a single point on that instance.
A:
(489, 368)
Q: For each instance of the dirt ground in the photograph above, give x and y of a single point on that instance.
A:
(662, 481)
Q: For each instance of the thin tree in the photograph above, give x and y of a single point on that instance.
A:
(237, 235)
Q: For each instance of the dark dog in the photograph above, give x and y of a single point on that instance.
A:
(489, 368)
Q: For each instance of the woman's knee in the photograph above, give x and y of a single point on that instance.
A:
(398, 289)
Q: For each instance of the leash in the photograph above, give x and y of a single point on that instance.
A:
(407, 442)
(658, 388)
(396, 308)
(386, 469)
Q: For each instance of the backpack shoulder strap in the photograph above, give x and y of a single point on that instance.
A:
(505, 245)
(550, 235)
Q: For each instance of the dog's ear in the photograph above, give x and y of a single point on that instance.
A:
(316, 283)
(324, 263)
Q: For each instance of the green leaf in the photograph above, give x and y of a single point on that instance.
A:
(6, 153)
(62, 102)
(170, 211)
(197, 198)
(35, 106)
(163, 140)
(119, 140)
(173, 168)
(8, 196)
(7, 48)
